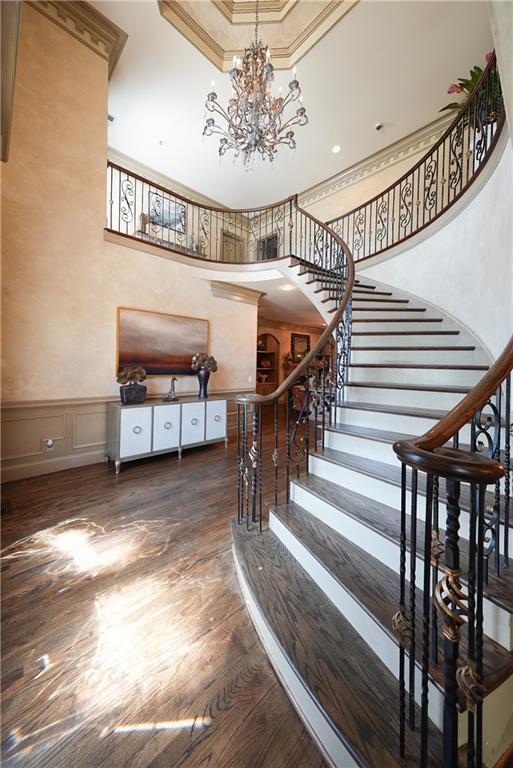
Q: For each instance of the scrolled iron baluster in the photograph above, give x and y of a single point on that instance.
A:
(507, 468)
(456, 157)
(358, 238)
(400, 622)
(126, 200)
(430, 184)
(451, 602)
(437, 550)
(406, 205)
(382, 221)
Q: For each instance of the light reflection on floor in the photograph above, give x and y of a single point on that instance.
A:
(127, 650)
(82, 548)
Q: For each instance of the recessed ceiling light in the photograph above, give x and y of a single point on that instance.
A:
(287, 287)
(336, 149)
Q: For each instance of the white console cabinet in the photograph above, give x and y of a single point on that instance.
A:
(135, 431)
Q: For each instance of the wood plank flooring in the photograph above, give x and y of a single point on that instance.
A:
(126, 642)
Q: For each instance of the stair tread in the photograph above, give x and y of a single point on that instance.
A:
(403, 333)
(355, 689)
(499, 590)
(390, 309)
(414, 349)
(375, 586)
(416, 387)
(396, 319)
(398, 410)
(423, 366)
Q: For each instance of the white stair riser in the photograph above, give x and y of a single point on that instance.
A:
(496, 706)
(379, 304)
(421, 357)
(393, 422)
(414, 398)
(497, 623)
(361, 446)
(427, 376)
(363, 313)
(414, 340)
(381, 643)
(387, 493)
(382, 323)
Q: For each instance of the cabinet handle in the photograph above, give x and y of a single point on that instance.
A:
(137, 430)
(194, 422)
(217, 418)
(167, 425)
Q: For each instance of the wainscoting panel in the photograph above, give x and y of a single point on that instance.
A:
(76, 427)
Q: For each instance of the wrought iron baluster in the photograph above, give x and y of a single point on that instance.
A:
(413, 573)
(426, 611)
(507, 468)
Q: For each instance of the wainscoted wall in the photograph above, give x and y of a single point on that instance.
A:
(62, 282)
(77, 428)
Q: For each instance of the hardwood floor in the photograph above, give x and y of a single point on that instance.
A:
(125, 638)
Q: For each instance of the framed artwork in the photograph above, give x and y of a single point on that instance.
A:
(165, 212)
(299, 344)
(163, 344)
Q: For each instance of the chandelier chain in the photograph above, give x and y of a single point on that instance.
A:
(254, 121)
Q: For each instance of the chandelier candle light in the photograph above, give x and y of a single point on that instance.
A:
(255, 120)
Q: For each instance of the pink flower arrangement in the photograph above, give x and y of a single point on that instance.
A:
(466, 85)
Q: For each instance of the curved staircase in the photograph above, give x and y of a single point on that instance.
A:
(322, 582)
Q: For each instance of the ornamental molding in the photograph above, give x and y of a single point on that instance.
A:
(243, 12)
(410, 146)
(231, 292)
(86, 24)
(293, 27)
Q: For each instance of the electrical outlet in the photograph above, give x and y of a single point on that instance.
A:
(250, 379)
(48, 444)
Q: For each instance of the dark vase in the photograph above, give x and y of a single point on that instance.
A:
(203, 377)
(132, 394)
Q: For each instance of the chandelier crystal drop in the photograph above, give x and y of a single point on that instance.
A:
(254, 120)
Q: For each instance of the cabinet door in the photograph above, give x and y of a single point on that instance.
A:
(166, 427)
(216, 420)
(193, 423)
(135, 431)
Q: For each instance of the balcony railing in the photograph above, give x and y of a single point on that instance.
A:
(436, 182)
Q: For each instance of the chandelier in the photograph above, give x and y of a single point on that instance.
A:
(254, 120)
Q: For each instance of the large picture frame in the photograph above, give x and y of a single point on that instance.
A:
(161, 343)
(166, 212)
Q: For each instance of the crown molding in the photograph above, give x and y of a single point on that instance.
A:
(85, 24)
(409, 146)
(283, 57)
(10, 27)
(233, 292)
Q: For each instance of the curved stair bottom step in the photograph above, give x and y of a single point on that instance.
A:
(345, 695)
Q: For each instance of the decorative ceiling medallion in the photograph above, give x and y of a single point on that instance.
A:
(218, 27)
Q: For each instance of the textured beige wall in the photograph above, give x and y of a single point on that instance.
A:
(61, 280)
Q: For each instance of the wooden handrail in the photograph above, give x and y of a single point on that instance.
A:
(428, 453)
(471, 403)
(307, 361)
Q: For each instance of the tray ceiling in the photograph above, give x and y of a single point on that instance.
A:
(221, 29)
